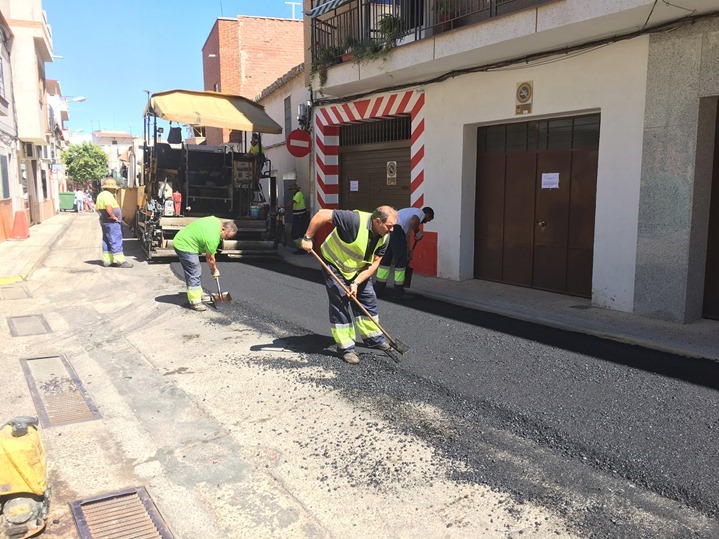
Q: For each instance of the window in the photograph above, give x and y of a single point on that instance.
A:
(216, 87)
(2, 77)
(288, 116)
(5, 183)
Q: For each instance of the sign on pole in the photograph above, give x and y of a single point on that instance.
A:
(299, 143)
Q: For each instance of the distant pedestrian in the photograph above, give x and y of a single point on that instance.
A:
(79, 200)
(300, 216)
(408, 220)
(111, 222)
(202, 236)
(89, 203)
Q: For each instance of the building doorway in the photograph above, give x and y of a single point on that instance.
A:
(535, 203)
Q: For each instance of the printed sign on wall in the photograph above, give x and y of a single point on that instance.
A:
(391, 172)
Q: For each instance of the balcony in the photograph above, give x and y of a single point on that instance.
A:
(434, 38)
(367, 29)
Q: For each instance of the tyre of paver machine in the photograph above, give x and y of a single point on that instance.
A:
(24, 493)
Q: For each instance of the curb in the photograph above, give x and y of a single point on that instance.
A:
(31, 266)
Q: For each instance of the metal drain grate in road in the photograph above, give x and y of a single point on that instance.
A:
(128, 514)
(33, 324)
(57, 392)
(14, 292)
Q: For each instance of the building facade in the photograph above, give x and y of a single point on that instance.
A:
(117, 146)
(30, 48)
(241, 57)
(566, 145)
(286, 102)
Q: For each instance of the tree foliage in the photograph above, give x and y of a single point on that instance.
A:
(85, 162)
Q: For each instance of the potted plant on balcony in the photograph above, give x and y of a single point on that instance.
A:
(389, 28)
(444, 11)
(325, 56)
(350, 45)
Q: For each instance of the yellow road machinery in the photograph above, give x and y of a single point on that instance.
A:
(24, 493)
(188, 179)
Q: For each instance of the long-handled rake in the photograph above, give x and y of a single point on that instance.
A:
(394, 343)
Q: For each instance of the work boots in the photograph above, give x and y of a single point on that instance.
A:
(197, 307)
(350, 357)
(380, 289)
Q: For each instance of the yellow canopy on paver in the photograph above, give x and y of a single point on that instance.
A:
(212, 109)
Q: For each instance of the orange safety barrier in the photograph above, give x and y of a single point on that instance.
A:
(20, 227)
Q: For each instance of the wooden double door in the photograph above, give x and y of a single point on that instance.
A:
(535, 204)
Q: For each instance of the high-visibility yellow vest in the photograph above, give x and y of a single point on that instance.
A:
(349, 257)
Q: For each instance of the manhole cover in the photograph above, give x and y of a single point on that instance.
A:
(33, 324)
(14, 292)
(57, 392)
(128, 514)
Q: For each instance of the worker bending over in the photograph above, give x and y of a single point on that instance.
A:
(201, 236)
(408, 219)
(353, 252)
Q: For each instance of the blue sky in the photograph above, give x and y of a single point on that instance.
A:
(112, 51)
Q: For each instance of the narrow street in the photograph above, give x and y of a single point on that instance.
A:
(245, 424)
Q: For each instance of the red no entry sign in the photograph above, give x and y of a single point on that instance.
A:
(299, 143)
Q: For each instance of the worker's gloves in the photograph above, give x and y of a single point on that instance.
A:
(216, 273)
(418, 235)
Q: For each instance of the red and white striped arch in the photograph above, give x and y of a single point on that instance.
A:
(328, 120)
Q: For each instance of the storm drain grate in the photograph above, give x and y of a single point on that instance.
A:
(128, 514)
(57, 392)
(14, 292)
(33, 324)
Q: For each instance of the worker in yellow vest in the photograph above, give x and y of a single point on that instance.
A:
(353, 252)
(300, 216)
(111, 222)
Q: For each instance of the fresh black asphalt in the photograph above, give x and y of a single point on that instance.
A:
(559, 418)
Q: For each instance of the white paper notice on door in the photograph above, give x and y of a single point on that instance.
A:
(550, 180)
(354, 185)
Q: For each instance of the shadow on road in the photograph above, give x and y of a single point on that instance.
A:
(699, 371)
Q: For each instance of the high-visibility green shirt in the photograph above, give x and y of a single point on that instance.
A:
(106, 200)
(200, 236)
(298, 202)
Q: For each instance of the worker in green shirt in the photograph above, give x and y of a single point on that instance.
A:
(201, 236)
(300, 217)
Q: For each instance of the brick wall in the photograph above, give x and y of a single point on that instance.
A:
(251, 54)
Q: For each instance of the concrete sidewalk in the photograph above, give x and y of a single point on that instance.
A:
(697, 339)
(18, 259)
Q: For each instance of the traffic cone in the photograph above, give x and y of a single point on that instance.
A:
(20, 228)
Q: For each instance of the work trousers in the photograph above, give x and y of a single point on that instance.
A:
(112, 252)
(193, 272)
(396, 254)
(342, 308)
(300, 221)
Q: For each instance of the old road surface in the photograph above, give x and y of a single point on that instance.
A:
(615, 440)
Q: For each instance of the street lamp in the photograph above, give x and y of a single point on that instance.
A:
(73, 99)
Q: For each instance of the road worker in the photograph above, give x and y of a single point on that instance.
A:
(111, 222)
(202, 236)
(353, 252)
(300, 216)
(408, 219)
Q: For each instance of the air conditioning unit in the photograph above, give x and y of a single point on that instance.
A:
(28, 150)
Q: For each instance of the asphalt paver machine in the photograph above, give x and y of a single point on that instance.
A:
(185, 181)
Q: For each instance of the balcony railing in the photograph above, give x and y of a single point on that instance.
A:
(386, 23)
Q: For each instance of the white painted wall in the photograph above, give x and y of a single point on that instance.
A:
(610, 80)
(282, 162)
